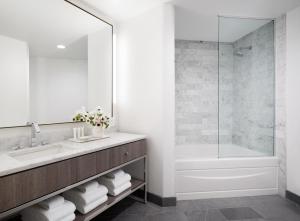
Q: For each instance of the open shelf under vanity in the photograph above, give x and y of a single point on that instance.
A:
(112, 200)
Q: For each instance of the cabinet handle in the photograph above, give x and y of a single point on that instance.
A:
(126, 153)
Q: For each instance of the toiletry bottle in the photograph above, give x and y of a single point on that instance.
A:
(75, 133)
(78, 132)
(82, 131)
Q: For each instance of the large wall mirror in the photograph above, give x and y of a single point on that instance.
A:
(54, 59)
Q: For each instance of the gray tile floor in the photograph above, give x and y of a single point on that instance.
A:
(270, 208)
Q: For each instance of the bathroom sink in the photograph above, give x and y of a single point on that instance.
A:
(33, 153)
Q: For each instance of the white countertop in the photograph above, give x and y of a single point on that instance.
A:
(9, 165)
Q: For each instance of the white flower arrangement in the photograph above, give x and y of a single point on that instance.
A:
(96, 118)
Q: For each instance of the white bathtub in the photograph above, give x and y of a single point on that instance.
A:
(201, 174)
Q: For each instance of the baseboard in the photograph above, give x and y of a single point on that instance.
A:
(293, 197)
(158, 200)
(224, 194)
(162, 201)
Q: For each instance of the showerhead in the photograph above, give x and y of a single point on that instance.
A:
(245, 48)
(239, 51)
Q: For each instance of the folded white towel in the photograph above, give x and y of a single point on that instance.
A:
(52, 202)
(117, 191)
(86, 198)
(115, 174)
(36, 213)
(88, 187)
(70, 217)
(84, 209)
(114, 183)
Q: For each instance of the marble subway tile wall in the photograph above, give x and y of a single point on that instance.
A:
(196, 71)
(197, 92)
(20, 136)
(13, 137)
(246, 92)
(253, 90)
(226, 60)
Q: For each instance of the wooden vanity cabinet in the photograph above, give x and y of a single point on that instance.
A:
(20, 188)
(23, 187)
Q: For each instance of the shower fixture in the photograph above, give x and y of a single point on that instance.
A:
(239, 51)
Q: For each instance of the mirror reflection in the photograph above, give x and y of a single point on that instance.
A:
(54, 59)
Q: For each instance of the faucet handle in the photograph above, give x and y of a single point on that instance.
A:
(44, 142)
(18, 147)
(36, 127)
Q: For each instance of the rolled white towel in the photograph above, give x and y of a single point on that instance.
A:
(115, 174)
(117, 191)
(70, 217)
(36, 213)
(88, 187)
(52, 202)
(114, 183)
(84, 209)
(86, 198)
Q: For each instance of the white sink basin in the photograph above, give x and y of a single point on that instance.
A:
(33, 153)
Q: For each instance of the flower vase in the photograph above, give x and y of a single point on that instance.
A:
(98, 132)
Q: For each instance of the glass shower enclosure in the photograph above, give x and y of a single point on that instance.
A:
(246, 87)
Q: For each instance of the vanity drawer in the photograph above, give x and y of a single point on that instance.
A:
(127, 152)
(136, 150)
(103, 160)
(86, 166)
(26, 186)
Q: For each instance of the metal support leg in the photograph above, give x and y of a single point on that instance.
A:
(146, 179)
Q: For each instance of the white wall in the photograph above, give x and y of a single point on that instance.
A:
(168, 105)
(14, 82)
(293, 101)
(145, 90)
(58, 87)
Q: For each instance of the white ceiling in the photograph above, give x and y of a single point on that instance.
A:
(201, 16)
(243, 8)
(196, 19)
(120, 10)
(46, 23)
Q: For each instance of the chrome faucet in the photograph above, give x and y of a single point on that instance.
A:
(35, 129)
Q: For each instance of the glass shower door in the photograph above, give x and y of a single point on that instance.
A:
(246, 105)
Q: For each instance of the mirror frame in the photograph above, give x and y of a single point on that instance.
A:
(112, 68)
